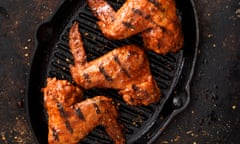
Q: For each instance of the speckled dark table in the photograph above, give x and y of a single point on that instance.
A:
(213, 115)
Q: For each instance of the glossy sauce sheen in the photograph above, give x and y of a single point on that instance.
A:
(71, 122)
(156, 20)
(119, 69)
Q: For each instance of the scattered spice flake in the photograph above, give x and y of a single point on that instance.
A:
(21, 91)
(234, 107)
(86, 34)
(164, 142)
(29, 40)
(237, 12)
(3, 137)
(118, 104)
(20, 104)
(67, 60)
(210, 35)
(189, 132)
(204, 133)
(134, 123)
(177, 138)
(25, 48)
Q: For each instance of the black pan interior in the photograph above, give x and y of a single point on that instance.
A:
(172, 72)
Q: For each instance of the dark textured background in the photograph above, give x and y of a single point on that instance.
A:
(213, 115)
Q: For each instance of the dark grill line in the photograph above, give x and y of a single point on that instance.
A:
(147, 17)
(68, 126)
(55, 134)
(80, 114)
(157, 4)
(62, 113)
(128, 25)
(60, 109)
(122, 68)
(137, 11)
(87, 77)
(104, 73)
(125, 72)
(140, 13)
(137, 89)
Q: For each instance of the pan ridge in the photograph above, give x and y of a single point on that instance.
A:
(142, 124)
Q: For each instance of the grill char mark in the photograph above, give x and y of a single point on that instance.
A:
(157, 5)
(128, 25)
(60, 109)
(140, 13)
(55, 134)
(104, 73)
(68, 126)
(137, 89)
(147, 17)
(137, 11)
(63, 114)
(87, 77)
(122, 68)
(80, 114)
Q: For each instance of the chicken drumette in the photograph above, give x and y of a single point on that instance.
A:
(156, 19)
(125, 68)
(69, 120)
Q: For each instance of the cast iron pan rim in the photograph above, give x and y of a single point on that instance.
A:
(187, 87)
(28, 86)
(29, 121)
(172, 115)
(32, 60)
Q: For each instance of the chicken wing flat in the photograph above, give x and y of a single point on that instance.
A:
(125, 69)
(156, 19)
(69, 121)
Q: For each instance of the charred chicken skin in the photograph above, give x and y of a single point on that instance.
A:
(69, 120)
(125, 69)
(156, 19)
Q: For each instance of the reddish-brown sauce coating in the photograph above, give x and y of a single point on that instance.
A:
(125, 69)
(69, 120)
(157, 20)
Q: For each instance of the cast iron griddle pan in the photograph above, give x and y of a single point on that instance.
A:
(173, 72)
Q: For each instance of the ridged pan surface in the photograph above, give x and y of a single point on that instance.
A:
(173, 72)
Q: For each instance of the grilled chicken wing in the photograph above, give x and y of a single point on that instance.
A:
(156, 19)
(69, 120)
(125, 69)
